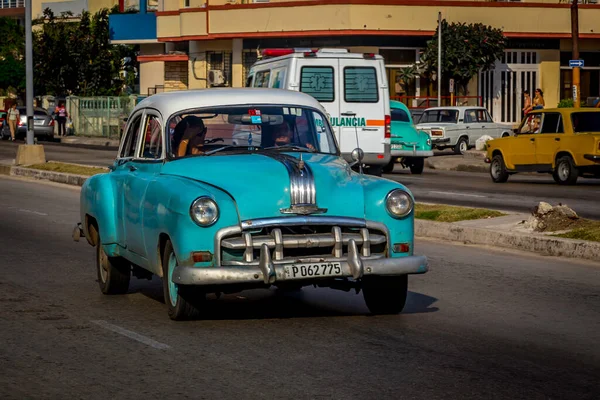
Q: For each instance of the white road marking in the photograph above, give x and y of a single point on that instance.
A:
(458, 194)
(132, 335)
(32, 212)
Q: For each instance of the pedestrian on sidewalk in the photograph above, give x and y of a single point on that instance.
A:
(61, 118)
(13, 116)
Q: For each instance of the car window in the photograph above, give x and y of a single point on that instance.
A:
(250, 129)
(399, 115)
(552, 123)
(318, 82)
(131, 137)
(470, 116)
(585, 121)
(278, 77)
(485, 116)
(249, 80)
(152, 146)
(531, 124)
(23, 111)
(448, 116)
(262, 79)
(360, 85)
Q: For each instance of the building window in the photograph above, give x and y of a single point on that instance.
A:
(220, 60)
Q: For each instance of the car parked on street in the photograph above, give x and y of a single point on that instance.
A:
(460, 127)
(43, 124)
(409, 146)
(564, 142)
(210, 216)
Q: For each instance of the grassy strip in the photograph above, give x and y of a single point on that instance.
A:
(443, 213)
(591, 231)
(68, 168)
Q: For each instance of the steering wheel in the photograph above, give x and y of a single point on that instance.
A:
(209, 141)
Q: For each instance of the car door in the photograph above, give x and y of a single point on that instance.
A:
(362, 109)
(549, 140)
(521, 153)
(121, 170)
(473, 126)
(488, 126)
(143, 169)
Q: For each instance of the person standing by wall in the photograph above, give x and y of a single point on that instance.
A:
(61, 118)
(13, 116)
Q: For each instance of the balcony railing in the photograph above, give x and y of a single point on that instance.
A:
(12, 3)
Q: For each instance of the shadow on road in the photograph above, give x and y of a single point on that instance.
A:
(277, 304)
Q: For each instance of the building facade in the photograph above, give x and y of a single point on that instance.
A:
(182, 40)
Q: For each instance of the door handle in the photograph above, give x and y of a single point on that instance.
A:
(483, 126)
(557, 139)
(532, 139)
(349, 114)
(132, 168)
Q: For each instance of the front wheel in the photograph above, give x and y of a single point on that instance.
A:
(461, 146)
(385, 294)
(182, 301)
(565, 172)
(498, 170)
(388, 168)
(114, 273)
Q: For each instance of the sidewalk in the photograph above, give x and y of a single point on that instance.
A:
(90, 141)
(471, 161)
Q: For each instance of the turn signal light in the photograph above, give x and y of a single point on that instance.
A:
(202, 256)
(388, 126)
(401, 247)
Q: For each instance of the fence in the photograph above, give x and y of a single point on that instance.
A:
(99, 116)
(426, 102)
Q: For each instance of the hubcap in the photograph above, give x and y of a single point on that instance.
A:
(496, 169)
(563, 171)
(463, 147)
(172, 286)
(103, 265)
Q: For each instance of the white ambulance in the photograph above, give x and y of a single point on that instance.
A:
(352, 87)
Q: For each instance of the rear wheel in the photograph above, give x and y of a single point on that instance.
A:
(183, 302)
(416, 165)
(114, 273)
(498, 170)
(375, 170)
(385, 294)
(566, 172)
(389, 167)
(461, 146)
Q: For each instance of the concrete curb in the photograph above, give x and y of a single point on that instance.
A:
(546, 245)
(90, 141)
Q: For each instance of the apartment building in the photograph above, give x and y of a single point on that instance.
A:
(181, 41)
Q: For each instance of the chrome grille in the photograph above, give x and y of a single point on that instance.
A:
(291, 242)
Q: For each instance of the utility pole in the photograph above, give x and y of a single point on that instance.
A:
(439, 71)
(575, 41)
(29, 71)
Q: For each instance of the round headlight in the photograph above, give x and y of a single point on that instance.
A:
(204, 211)
(399, 203)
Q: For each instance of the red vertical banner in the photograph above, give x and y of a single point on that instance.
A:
(121, 5)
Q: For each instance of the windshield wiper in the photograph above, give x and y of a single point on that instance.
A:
(289, 147)
(229, 146)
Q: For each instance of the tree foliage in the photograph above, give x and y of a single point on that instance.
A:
(12, 49)
(76, 57)
(467, 49)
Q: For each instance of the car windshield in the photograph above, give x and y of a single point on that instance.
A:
(586, 121)
(226, 129)
(448, 116)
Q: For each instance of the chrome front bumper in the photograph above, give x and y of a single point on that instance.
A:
(411, 153)
(269, 272)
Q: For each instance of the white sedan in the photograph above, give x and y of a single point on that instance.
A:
(459, 127)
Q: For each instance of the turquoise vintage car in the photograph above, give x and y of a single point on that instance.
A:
(409, 146)
(282, 208)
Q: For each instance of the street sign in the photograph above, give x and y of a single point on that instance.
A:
(576, 63)
(574, 93)
(451, 85)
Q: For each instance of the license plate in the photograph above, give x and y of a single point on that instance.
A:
(38, 122)
(396, 147)
(314, 270)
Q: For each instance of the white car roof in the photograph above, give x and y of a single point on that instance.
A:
(457, 108)
(168, 103)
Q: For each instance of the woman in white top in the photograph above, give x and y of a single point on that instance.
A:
(13, 116)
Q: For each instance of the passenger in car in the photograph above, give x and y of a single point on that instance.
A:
(192, 132)
(283, 136)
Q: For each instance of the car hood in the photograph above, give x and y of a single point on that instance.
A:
(260, 184)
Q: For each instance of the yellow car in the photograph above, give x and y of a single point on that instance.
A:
(564, 142)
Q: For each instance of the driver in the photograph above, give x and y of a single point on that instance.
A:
(283, 136)
(192, 140)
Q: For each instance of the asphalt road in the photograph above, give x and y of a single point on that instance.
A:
(481, 324)
(521, 193)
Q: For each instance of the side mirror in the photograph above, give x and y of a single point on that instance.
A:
(358, 154)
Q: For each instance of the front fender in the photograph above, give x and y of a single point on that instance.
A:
(401, 230)
(167, 212)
